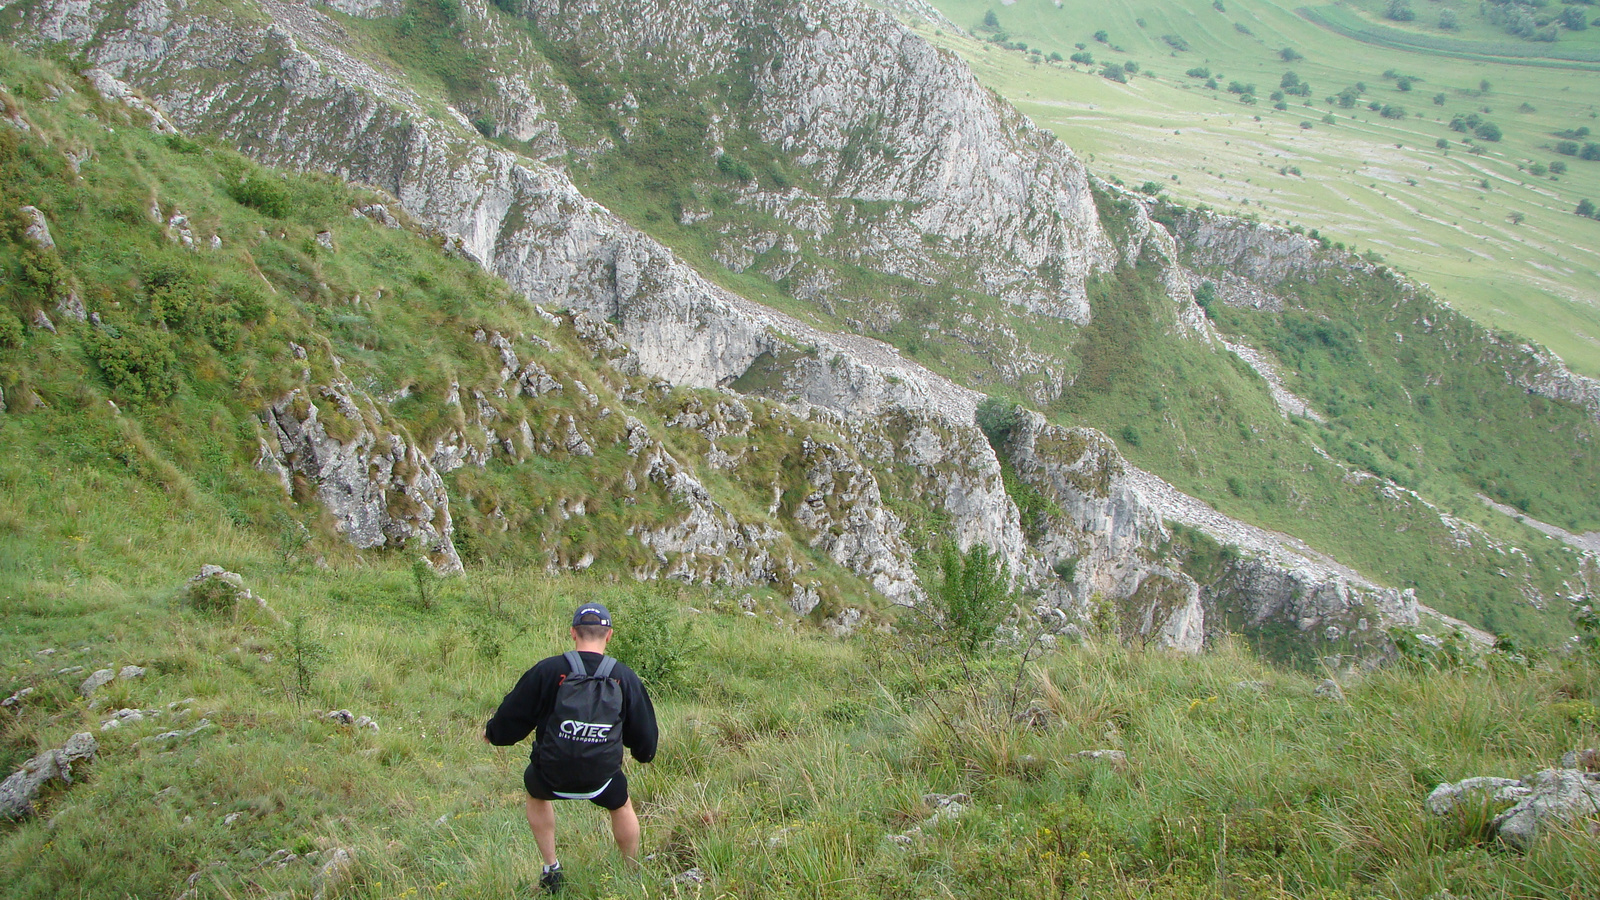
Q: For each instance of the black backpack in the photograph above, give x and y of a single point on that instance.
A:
(580, 745)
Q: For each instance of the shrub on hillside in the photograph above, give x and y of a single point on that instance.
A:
(973, 595)
(11, 331)
(137, 361)
(1289, 54)
(212, 595)
(655, 641)
(996, 417)
(263, 194)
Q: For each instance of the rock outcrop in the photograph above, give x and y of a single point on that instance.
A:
(843, 513)
(910, 169)
(18, 792)
(1553, 797)
(378, 486)
(1110, 521)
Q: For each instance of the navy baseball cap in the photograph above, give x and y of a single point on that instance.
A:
(591, 614)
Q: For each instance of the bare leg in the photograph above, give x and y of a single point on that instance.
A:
(625, 827)
(542, 819)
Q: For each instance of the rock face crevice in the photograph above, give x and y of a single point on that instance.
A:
(379, 487)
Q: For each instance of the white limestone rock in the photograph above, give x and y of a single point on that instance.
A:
(378, 487)
(19, 790)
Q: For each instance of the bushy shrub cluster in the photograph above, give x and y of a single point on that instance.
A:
(1477, 125)
(11, 331)
(262, 193)
(139, 362)
(654, 640)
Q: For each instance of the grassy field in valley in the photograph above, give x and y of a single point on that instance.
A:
(1494, 239)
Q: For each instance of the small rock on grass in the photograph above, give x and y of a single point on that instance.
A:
(18, 792)
(95, 682)
(341, 862)
(1582, 760)
(690, 876)
(1329, 690)
(350, 719)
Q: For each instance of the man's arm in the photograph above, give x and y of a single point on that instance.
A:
(521, 710)
(639, 732)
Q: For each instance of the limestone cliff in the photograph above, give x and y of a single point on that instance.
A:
(1112, 522)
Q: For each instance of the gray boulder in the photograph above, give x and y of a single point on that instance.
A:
(18, 792)
(1583, 760)
(1446, 797)
(95, 682)
(1552, 797)
(1555, 796)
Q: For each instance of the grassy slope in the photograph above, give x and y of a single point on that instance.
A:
(787, 756)
(1212, 431)
(1425, 209)
(785, 763)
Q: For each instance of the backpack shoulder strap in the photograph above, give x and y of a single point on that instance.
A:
(606, 665)
(576, 662)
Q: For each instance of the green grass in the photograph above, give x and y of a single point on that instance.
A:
(1347, 22)
(788, 758)
(1375, 183)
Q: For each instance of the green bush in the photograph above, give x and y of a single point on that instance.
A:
(996, 417)
(11, 331)
(137, 361)
(212, 595)
(973, 595)
(654, 640)
(45, 270)
(264, 195)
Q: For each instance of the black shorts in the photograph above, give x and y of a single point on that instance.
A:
(613, 797)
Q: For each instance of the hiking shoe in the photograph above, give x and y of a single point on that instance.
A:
(550, 880)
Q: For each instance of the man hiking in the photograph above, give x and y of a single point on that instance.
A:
(586, 707)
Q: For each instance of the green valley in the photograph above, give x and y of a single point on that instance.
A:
(1487, 223)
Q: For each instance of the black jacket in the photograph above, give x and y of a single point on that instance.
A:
(528, 705)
